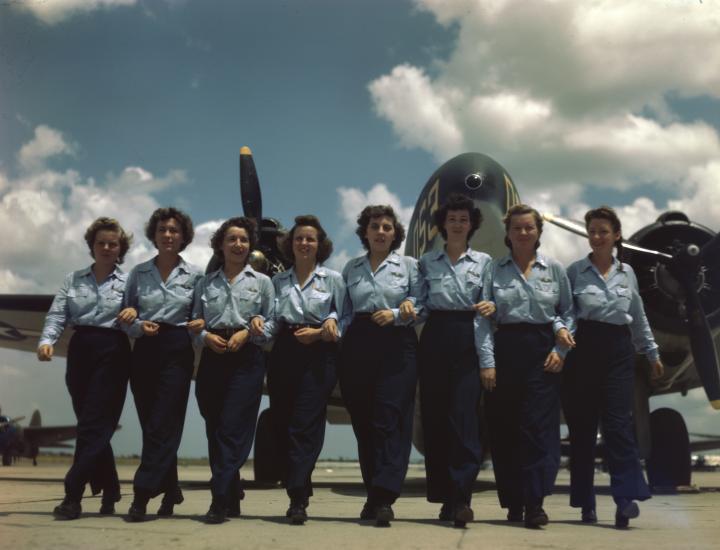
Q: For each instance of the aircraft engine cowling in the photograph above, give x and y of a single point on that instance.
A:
(663, 295)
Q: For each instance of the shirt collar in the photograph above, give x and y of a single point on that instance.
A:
(469, 254)
(539, 260)
(116, 273)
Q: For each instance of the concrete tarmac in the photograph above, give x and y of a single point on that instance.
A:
(28, 494)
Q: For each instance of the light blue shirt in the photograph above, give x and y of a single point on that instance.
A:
(82, 302)
(168, 302)
(615, 300)
(319, 299)
(544, 297)
(396, 279)
(224, 304)
(458, 287)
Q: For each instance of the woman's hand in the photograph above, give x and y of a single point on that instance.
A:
(330, 331)
(196, 326)
(216, 343)
(384, 317)
(657, 369)
(127, 315)
(308, 335)
(407, 311)
(238, 340)
(150, 328)
(564, 339)
(485, 308)
(553, 362)
(487, 377)
(257, 326)
(45, 352)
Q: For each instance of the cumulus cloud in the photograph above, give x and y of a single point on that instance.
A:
(56, 11)
(44, 213)
(563, 92)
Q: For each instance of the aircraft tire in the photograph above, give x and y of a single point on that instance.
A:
(266, 465)
(6, 459)
(668, 466)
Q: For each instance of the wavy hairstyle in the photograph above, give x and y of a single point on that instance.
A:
(325, 245)
(108, 224)
(166, 213)
(377, 211)
(455, 202)
(519, 210)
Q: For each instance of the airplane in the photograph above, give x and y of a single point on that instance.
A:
(675, 259)
(16, 441)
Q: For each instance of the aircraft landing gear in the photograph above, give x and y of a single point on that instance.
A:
(668, 466)
(6, 459)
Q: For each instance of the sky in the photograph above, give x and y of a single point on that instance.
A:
(116, 107)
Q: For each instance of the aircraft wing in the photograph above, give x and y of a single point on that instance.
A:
(49, 436)
(21, 320)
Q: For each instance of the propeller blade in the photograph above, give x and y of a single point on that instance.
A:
(250, 186)
(579, 229)
(710, 252)
(701, 340)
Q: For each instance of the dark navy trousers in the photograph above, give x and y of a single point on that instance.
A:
(300, 380)
(228, 390)
(377, 379)
(98, 365)
(523, 415)
(450, 389)
(598, 385)
(161, 370)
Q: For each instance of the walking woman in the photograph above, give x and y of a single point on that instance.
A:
(302, 366)
(598, 381)
(232, 302)
(454, 337)
(534, 310)
(161, 292)
(98, 363)
(378, 374)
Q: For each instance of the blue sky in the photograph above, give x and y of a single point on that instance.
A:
(114, 107)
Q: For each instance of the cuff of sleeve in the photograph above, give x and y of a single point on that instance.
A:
(562, 352)
(45, 342)
(558, 325)
(653, 355)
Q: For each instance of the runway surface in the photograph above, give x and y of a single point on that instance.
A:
(28, 494)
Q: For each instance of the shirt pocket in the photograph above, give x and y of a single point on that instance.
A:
(546, 292)
(588, 298)
(397, 279)
(436, 284)
(623, 298)
(505, 293)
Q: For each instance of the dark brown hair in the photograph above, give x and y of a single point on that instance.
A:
(164, 214)
(457, 202)
(217, 239)
(606, 213)
(108, 224)
(378, 211)
(519, 210)
(325, 246)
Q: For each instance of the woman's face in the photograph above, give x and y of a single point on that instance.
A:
(168, 236)
(601, 236)
(106, 248)
(305, 243)
(457, 225)
(523, 232)
(380, 234)
(236, 246)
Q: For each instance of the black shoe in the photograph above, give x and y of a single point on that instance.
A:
(588, 515)
(515, 514)
(384, 515)
(297, 513)
(169, 500)
(626, 510)
(445, 513)
(67, 509)
(369, 511)
(535, 517)
(233, 510)
(463, 515)
(216, 513)
(136, 512)
(107, 508)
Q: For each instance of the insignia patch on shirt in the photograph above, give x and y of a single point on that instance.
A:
(546, 280)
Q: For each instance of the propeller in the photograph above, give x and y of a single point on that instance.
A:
(683, 264)
(250, 186)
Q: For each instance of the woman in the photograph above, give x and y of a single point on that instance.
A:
(302, 365)
(98, 362)
(378, 374)
(534, 307)
(599, 377)
(453, 339)
(161, 291)
(231, 301)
